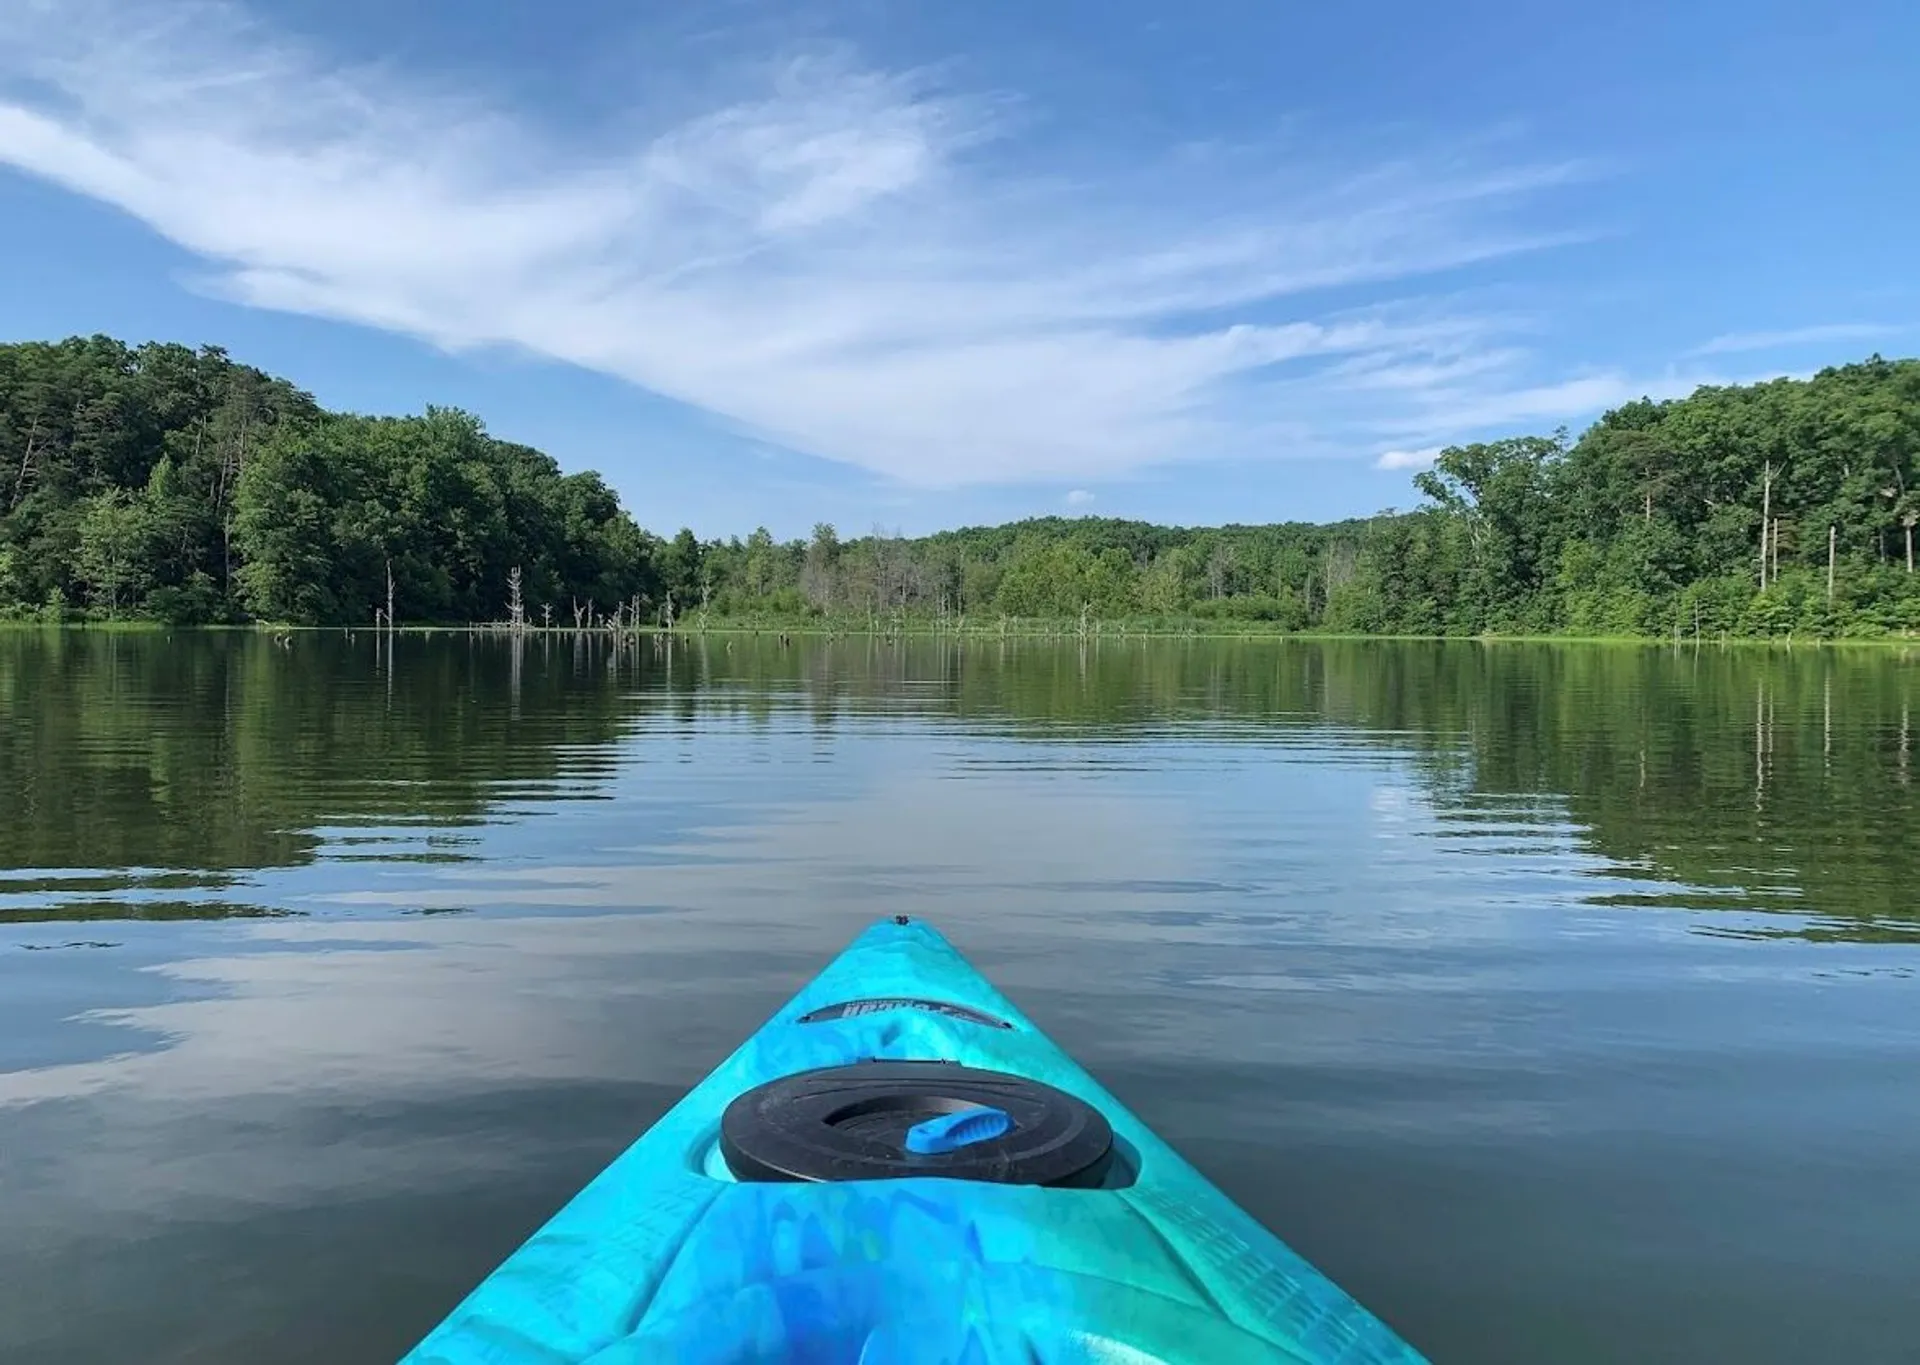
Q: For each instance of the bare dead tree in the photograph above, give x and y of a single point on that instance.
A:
(233, 459)
(1339, 564)
(28, 467)
(516, 607)
(1219, 567)
(1766, 520)
(820, 570)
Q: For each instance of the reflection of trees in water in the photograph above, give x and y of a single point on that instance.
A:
(226, 751)
(1780, 779)
(1751, 778)
(1766, 779)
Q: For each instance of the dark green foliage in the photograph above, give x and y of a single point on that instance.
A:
(1656, 517)
(1649, 524)
(163, 482)
(175, 484)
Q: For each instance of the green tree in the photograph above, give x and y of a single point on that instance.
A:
(113, 549)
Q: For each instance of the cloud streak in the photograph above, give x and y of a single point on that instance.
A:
(1738, 342)
(848, 262)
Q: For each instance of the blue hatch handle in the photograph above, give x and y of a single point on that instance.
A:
(951, 1132)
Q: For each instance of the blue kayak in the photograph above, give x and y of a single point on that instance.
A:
(899, 1167)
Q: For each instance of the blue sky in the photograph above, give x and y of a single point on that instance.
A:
(920, 264)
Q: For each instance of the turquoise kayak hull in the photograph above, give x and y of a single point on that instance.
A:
(665, 1257)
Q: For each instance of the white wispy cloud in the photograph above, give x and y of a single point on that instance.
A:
(1407, 459)
(1734, 342)
(1080, 497)
(842, 260)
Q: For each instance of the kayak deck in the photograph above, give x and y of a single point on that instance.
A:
(666, 1256)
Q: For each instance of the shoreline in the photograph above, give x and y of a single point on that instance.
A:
(1056, 632)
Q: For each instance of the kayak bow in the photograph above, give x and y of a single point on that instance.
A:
(900, 1167)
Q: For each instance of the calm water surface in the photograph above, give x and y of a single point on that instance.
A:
(1560, 1002)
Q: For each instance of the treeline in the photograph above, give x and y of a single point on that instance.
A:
(165, 482)
(162, 482)
(1770, 509)
(1788, 506)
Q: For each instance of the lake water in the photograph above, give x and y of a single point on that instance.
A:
(1560, 1002)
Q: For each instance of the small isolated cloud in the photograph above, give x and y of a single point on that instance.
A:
(837, 259)
(1408, 459)
(1734, 342)
(1080, 497)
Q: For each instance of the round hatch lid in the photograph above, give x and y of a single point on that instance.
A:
(887, 1120)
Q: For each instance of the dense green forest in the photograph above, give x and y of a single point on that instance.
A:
(165, 482)
(162, 482)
